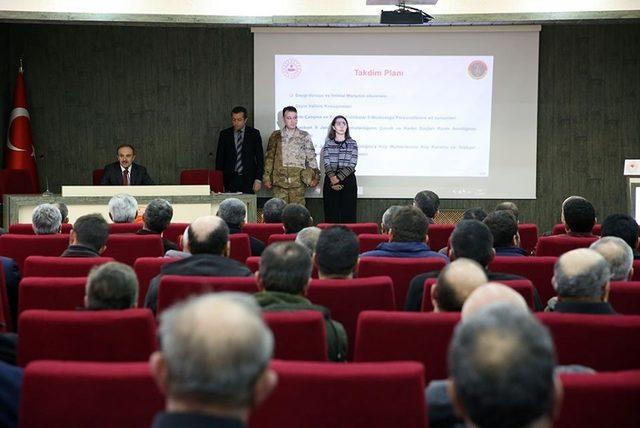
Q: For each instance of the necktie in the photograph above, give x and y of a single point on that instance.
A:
(239, 152)
(125, 177)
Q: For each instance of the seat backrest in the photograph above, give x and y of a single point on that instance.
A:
(602, 342)
(27, 228)
(61, 266)
(299, 335)
(124, 227)
(398, 336)
(370, 241)
(262, 231)
(625, 297)
(357, 228)
(96, 176)
(240, 247)
(123, 335)
(524, 287)
(19, 247)
(253, 263)
(600, 400)
(280, 237)
(346, 298)
(528, 236)
(51, 293)
(636, 270)
(146, 269)
(539, 270)
(175, 288)
(344, 395)
(16, 182)
(558, 229)
(401, 271)
(201, 176)
(439, 235)
(557, 245)
(55, 394)
(126, 248)
(175, 231)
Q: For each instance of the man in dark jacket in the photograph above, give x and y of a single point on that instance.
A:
(208, 243)
(124, 172)
(285, 272)
(157, 217)
(88, 237)
(233, 211)
(504, 228)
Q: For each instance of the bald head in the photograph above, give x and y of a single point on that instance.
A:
(455, 283)
(489, 294)
(618, 255)
(207, 235)
(581, 274)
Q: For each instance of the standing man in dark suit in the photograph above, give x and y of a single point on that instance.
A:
(239, 155)
(124, 172)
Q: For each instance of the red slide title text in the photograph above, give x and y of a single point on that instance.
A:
(378, 73)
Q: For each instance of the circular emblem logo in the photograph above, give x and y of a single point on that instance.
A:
(291, 68)
(477, 69)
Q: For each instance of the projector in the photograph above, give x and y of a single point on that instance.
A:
(404, 14)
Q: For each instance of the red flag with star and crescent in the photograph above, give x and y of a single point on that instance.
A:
(19, 152)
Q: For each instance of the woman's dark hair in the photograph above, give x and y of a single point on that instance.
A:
(332, 132)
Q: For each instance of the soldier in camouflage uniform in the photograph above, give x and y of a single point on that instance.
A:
(290, 161)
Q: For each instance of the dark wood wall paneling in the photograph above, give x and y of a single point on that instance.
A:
(169, 90)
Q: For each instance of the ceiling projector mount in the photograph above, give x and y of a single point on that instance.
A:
(404, 14)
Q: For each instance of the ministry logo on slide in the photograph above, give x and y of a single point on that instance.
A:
(291, 68)
(477, 69)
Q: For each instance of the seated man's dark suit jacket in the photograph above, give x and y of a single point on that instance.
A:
(252, 158)
(113, 175)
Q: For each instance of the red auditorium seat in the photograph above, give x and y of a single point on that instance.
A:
(262, 231)
(636, 270)
(523, 286)
(65, 394)
(539, 270)
(54, 293)
(126, 248)
(439, 235)
(280, 237)
(557, 245)
(16, 182)
(96, 176)
(600, 400)
(27, 228)
(175, 231)
(370, 241)
(625, 297)
(528, 236)
(372, 395)
(124, 335)
(346, 298)
(401, 271)
(602, 342)
(559, 229)
(240, 247)
(253, 263)
(146, 269)
(298, 335)
(19, 247)
(61, 266)
(174, 288)
(203, 176)
(357, 228)
(398, 336)
(6, 324)
(124, 227)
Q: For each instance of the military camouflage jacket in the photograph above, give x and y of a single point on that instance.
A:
(287, 157)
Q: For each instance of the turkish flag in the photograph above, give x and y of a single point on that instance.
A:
(19, 153)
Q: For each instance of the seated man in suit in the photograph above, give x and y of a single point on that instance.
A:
(625, 227)
(455, 283)
(123, 208)
(618, 255)
(46, 219)
(124, 172)
(337, 252)
(157, 217)
(88, 238)
(578, 216)
(387, 217)
(296, 217)
(308, 238)
(428, 202)
(504, 228)
(111, 286)
(272, 210)
(233, 211)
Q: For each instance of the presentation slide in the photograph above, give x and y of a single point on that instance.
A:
(413, 116)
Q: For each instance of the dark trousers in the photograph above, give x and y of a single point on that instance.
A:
(238, 183)
(340, 205)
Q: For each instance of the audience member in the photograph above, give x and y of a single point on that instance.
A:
(618, 255)
(387, 218)
(46, 219)
(508, 206)
(10, 385)
(283, 278)
(213, 363)
(208, 244)
(504, 228)
(476, 213)
(489, 294)
(578, 216)
(64, 211)
(455, 283)
(12, 278)
(111, 286)
(428, 202)
(88, 238)
(123, 208)
(337, 252)
(581, 280)
(295, 217)
(625, 227)
(233, 211)
(407, 238)
(272, 210)
(156, 218)
(308, 238)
